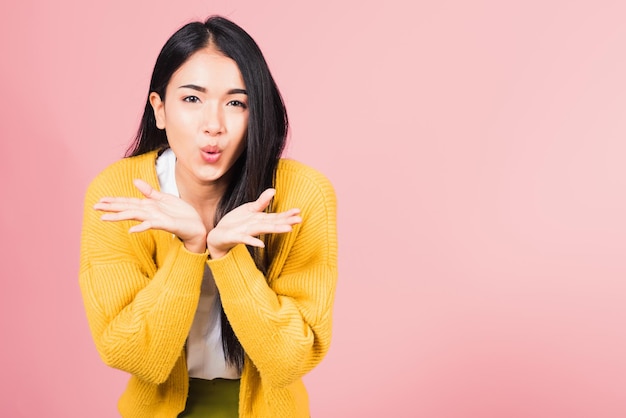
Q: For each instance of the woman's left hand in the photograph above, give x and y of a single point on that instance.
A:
(245, 223)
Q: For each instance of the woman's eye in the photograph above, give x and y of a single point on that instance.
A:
(191, 99)
(237, 103)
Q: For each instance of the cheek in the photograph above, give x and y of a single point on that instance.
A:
(180, 120)
(238, 125)
(244, 124)
(241, 137)
(177, 130)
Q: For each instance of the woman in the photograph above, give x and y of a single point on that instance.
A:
(208, 263)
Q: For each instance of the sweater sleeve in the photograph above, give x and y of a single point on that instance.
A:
(139, 315)
(284, 321)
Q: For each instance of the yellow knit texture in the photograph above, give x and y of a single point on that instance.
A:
(141, 291)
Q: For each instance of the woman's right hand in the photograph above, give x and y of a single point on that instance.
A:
(157, 211)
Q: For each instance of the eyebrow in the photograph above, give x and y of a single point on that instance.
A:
(204, 90)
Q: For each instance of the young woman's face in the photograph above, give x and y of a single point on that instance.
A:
(205, 116)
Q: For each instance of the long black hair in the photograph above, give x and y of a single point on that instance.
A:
(254, 171)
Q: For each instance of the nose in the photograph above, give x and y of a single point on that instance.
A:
(213, 123)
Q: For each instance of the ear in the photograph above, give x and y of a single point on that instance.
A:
(159, 109)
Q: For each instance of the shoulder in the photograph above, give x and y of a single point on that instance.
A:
(117, 178)
(298, 184)
(292, 173)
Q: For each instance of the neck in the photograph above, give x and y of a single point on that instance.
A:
(204, 197)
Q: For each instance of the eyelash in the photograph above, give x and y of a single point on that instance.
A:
(195, 99)
(238, 103)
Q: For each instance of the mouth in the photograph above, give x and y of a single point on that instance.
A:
(211, 154)
(210, 149)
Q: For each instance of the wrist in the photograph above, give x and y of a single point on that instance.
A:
(214, 254)
(195, 245)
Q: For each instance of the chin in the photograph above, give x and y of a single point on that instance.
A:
(211, 177)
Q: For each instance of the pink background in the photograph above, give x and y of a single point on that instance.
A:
(477, 149)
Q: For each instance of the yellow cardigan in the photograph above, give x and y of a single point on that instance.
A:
(141, 290)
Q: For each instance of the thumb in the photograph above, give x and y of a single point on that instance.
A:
(263, 201)
(144, 188)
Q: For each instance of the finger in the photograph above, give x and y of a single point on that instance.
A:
(290, 217)
(147, 190)
(255, 242)
(144, 226)
(116, 200)
(118, 206)
(268, 228)
(293, 220)
(125, 215)
(263, 201)
(292, 213)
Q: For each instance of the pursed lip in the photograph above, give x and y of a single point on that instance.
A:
(211, 149)
(210, 154)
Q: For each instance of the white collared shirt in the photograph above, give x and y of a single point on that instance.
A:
(205, 354)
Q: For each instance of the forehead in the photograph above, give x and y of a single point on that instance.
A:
(209, 68)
